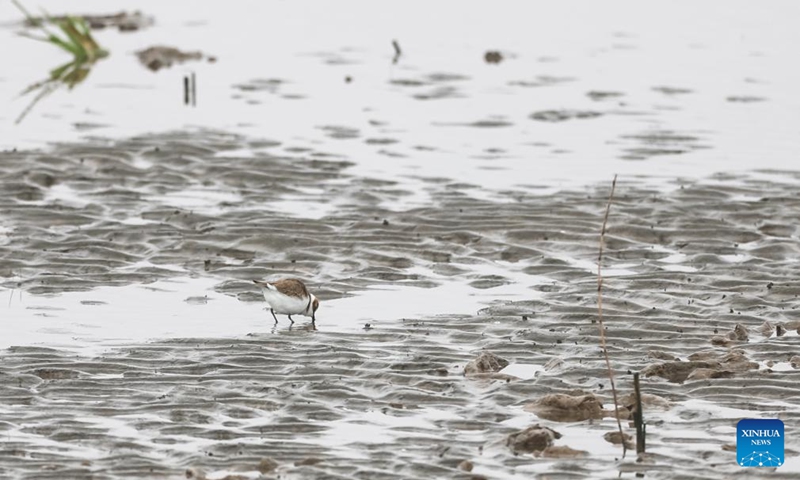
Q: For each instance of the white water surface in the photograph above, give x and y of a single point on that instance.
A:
(718, 71)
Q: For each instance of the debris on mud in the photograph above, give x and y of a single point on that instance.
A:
(533, 439)
(487, 362)
(659, 355)
(676, 372)
(702, 365)
(795, 361)
(738, 335)
(124, 21)
(559, 407)
(563, 115)
(614, 438)
(159, 56)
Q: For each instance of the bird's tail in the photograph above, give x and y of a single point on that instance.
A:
(266, 285)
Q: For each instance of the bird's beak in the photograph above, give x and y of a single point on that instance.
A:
(259, 283)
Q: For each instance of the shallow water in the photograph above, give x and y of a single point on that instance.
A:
(439, 207)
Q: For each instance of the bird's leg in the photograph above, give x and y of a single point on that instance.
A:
(290, 318)
(272, 310)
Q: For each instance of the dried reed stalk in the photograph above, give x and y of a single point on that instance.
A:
(600, 314)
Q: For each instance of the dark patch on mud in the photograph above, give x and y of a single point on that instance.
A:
(434, 86)
(672, 91)
(655, 143)
(541, 81)
(597, 95)
(563, 115)
(745, 99)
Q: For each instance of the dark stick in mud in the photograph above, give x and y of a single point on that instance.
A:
(185, 90)
(194, 91)
(600, 313)
(397, 51)
(638, 420)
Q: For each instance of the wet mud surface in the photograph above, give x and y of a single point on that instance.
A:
(701, 296)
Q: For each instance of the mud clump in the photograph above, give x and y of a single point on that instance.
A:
(702, 366)
(533, 439)
(487, 362)
(649, 401)
(563, 452)
(659, 355)
(195, 473)
(267, 465)
(493, 56)
(615, 439)
(795, 361)
(738, 335)
(676, 372)
(559, 407)
(158, 57)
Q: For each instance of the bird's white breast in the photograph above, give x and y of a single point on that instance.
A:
(284, 304)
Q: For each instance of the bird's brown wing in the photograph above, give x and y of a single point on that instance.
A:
(291, 287)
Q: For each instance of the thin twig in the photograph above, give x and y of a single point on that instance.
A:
(600, 314)
(638, 417)
(397, 51)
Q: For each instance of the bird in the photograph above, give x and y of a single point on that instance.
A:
(289, 296)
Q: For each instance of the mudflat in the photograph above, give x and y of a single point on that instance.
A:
(701, 296)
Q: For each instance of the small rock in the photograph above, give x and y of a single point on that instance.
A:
(493, 56)
(485, 363)
(532, 439)
(465, 465)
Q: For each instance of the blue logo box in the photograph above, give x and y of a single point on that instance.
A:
(759, 442)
